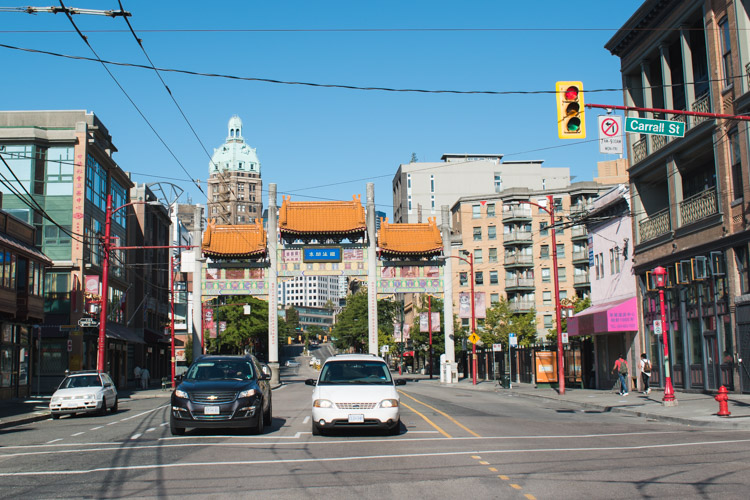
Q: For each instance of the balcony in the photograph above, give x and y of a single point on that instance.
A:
(701, 105)
(521, 306)
(698, 207)
(519, 260)
(580, 257)
(517, 237)
(581, 280)
(640, 150)
(517, 213)
(578, 232)
(654, 226)
(516, 284)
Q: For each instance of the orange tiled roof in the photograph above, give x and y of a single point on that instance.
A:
(246, 240)
(322, 217)
(410, 238)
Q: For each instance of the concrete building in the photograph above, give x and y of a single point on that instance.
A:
(421, 188)
(234, 183)
(310, 291)
(510, 242)
(690, 195)
(64, 160)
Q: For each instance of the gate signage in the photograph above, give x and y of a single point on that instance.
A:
(655, 127)
(322, 254)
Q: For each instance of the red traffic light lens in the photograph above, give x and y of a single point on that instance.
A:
(571, 94)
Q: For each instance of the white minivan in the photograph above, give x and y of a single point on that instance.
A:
(355, 390)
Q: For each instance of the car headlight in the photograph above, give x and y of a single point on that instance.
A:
(55, 399)
(180, 394)
(90, 396)
(248, 393)
(322, 403)
(389, 403)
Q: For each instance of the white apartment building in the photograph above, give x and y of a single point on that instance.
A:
(310, 291)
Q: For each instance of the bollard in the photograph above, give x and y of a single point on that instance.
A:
(722, 398)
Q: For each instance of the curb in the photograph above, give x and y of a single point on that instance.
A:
(24, 420)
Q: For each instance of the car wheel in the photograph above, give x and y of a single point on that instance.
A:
(55, 416)
(396, 429)
(258, 429)
(316, 431)
(114, 406)
(176, 431)
(267, 415)
(103, 409)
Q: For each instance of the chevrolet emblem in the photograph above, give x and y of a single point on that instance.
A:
(212, 398)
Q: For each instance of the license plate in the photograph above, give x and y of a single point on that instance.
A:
(211, 410)
(356, 419)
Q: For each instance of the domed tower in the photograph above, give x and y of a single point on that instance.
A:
(234, 183)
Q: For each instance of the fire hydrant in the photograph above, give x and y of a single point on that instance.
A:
(722, 398)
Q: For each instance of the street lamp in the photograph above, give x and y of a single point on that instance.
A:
(560, 368)
(660, 276)
(470, 261)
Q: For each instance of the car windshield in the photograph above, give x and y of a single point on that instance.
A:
(221, 369)
(355, 373)
(81, 381)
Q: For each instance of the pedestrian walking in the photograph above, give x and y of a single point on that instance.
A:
(645, 373)
(137, 374)
(145, 375)
(621, 368)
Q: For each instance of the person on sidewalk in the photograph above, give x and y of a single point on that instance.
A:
(621, 368)
(137, 373)
(645, 373)
(145, 375)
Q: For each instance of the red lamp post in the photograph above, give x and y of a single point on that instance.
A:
(470, 261)
(660, 276)
(560, 358)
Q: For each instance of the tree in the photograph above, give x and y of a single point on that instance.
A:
(501, 321)
(243, 332)
(351, 328)
(578, 306)
(413, 158)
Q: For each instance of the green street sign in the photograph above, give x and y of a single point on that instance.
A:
(656, 127)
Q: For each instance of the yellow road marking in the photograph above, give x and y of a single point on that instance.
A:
(504, 478)
(484, 463)
(476, 457)
(441, 431)
(530, 497)
(443, 414)
(492, 469)
(515, 486)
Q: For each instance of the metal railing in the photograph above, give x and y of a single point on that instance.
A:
(654, 226)
(523, 236)
(521, 306)
(512, 260)
(517, 213)
(581, 279)
(701, 105)
(581, 255)
(640, 150)
(578, 231)
(698, 207)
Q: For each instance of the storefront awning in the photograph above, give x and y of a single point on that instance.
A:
(120, 332)
(616, 316)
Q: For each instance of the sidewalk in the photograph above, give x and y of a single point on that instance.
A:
(695, 409)
(15, 412)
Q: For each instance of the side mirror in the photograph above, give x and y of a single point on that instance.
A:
(266, 372)
(400, 381)
(310, 381)
(107, 385)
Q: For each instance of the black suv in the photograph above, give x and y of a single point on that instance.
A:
(222, 391)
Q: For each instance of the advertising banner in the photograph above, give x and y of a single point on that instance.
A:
(424, 324)
(464, 305)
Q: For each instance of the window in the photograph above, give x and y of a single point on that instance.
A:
(476, 211)
(477, 234)
(479, 277)
(492, 257)
(563, 294)
(119, 198)
(547, 321)
(547, 298)
(59, 181)
(463, 278)
(561, 275)
(560, 250)
(614, 260)
(432, 203)
(409, 203)
(408, 183)
(543, 231)
(432, 184)
(491, 232)
(478, 256)
(726, 49)
(600, 270)
(493, 278)
(596, 266)
(498, 183)
(734, 154)
(546, 275)
(494, 298)
(464, 322)
(544, 254)
(743, 268)
(490, 210)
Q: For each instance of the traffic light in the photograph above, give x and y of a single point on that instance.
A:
(571, 118)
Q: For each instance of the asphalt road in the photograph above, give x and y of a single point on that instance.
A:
(454, 443)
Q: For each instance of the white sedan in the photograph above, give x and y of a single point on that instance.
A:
(84, 392)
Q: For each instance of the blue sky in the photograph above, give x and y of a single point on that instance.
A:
(324, 143)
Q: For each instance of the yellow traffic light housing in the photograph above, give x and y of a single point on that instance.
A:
(571, 119)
